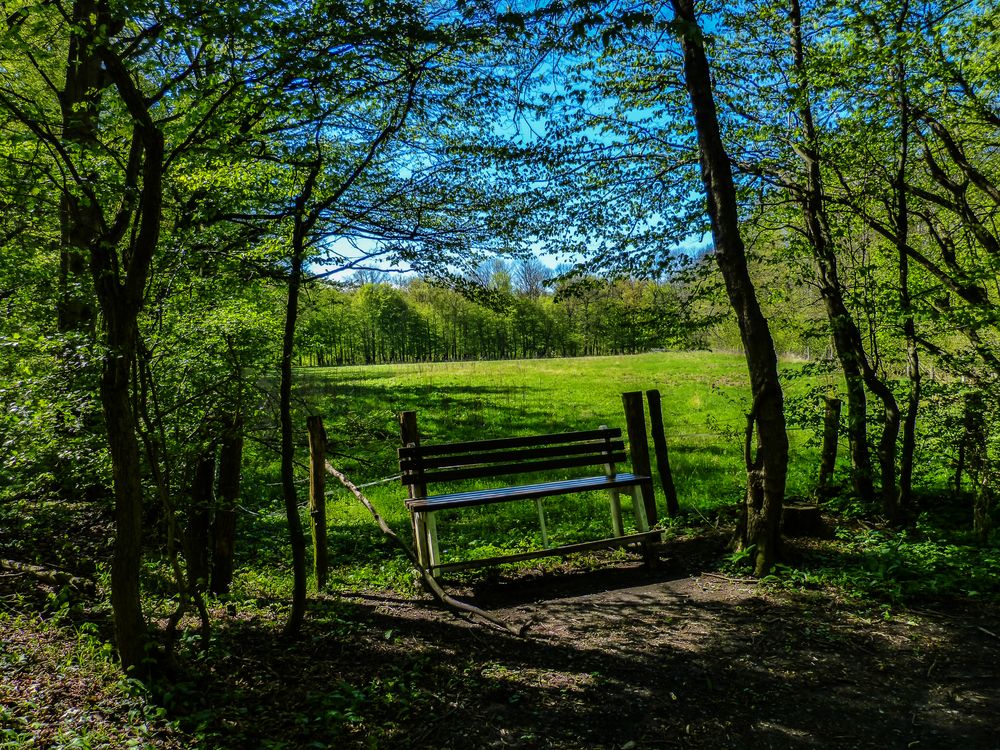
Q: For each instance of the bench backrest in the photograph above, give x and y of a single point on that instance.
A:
(454, 462)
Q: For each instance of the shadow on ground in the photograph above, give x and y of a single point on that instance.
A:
(615, 657)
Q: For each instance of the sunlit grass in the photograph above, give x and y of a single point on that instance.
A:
(705, 397)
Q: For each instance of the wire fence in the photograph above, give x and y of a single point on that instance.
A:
(672, 438)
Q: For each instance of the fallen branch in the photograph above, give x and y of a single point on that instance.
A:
(435, 588)
(49, 576)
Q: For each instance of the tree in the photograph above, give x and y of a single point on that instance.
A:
(364, 169)
(766, 471)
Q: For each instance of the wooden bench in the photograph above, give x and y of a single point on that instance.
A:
(423, 465)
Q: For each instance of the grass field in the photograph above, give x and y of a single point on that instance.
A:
(705, 396)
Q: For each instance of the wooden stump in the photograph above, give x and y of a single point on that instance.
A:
(802, 520)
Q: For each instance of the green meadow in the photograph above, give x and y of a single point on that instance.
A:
(705, 397)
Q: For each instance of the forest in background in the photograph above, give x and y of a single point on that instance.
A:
(513, 314)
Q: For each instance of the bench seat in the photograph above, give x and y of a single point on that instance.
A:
(522, 492)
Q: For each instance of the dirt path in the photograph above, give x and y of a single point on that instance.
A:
(704, 662)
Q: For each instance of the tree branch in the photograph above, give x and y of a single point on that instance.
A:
(439, 593)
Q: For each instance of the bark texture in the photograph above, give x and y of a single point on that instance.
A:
(902, 223)
(295, 533)
(768, 465)
(79, 101)
(120, 258)
(196, 533)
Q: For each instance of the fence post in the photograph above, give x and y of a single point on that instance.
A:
(831, 434)
(660, 448)
(635, 424)
(408, 435)
(317, 498)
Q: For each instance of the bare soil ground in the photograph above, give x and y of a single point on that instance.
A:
(616, 656)
(633, 660)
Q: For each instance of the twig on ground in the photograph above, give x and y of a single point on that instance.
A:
(979, 627)
(730, 579)
(435, 588)
(705, 518)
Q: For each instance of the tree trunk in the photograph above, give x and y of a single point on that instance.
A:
(79, 101)
(224, 526)
(767, 470)
(902, 222)
(831, 433)
(912, 406)
(196, 532)
(846, 336)
(891, 420)
(982, 516)
(297, 541)
(120, 283)
(126, 604)
(295, 532)
(976, 458)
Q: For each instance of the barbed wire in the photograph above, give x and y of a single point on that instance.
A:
(379, 481)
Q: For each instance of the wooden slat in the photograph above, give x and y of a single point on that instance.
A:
(566, 549)
(504, 494)
(528, 467)
(505, 443)
(470, 459)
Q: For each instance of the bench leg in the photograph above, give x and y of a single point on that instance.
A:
(639, 510)
(434, 553)
(420, 538)
(616, 513)
(541, 521)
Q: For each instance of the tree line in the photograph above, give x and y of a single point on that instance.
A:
(510, 316)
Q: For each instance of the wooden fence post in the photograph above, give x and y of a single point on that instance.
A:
(660, 448)
(410, 435)
(831, 435)
(635, 424)
(317, 498)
